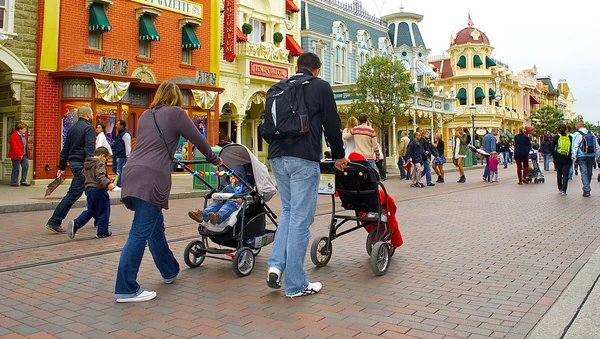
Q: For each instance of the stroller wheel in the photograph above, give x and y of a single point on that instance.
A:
(243, 262)
(194, 254)
(380, 258)
(256, 251)
(320, 251)
(371, 239)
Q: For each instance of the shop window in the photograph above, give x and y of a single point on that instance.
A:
(94, 39)
(76, 88)
(185, 94)
(259, 30)
(139, 97)
(186, 56)
(7, 14)
(144, 48)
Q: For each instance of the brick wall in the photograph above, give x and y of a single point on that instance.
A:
(46, 115)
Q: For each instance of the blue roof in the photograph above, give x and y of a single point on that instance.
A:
(404, 35)
(417, 34)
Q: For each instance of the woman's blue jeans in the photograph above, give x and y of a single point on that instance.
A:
(148, 227)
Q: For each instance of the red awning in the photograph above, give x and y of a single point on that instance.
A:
(533, 100)
(293, 46)
(239, 35)
(291, 6)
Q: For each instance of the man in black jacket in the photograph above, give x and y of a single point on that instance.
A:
(416, 154)
(79, 145)
(295, 165)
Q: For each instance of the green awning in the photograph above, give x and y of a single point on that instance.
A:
(479, 94)
(489, 62)
(147, 29)
(462, 94)
(508, 134)
(98, 20)
(462, 62)
(477, 61)
(492, 94)
(189, 38)
(502, 134)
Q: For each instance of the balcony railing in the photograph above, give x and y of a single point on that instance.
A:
(356, 9)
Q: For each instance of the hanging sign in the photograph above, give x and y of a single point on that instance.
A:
(229, 26)
(268, 71)
(115, 66)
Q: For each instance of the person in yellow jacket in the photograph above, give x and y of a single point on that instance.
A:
(402, 146)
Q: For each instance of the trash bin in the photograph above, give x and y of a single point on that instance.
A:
(473, 154)
(468, 160)
(211, 179)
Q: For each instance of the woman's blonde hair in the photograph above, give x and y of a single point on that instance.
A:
(20, 125)
(351, 123)
(167, 94)
(437, 136)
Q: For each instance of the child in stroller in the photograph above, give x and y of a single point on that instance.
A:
(220, 210)
(535, 174)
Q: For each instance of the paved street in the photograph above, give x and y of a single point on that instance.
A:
(479, 260)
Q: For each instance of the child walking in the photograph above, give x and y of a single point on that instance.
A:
(97, 183)
(493, 163)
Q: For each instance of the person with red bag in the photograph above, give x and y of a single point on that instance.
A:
(19, 153)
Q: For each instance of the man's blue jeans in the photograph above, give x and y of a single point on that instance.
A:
(372, 163)
(147, 227)
(427, 171)
(223, 207)
(506, 156)
(297, 182)
(547, 161)
(586, 167)
(401, 168)
(75, 191)
(117, 166)
(98, 206)
(486, 171)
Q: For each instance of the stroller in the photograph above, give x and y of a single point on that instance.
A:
(244, 233)
(535, 174)
(359, 190)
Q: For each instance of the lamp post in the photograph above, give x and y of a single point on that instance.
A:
(473, 109)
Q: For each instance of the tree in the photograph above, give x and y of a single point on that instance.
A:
(545, 120)
(382, 91)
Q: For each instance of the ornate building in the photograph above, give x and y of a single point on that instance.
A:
(566, 99)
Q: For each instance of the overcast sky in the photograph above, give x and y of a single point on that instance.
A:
(559, 37)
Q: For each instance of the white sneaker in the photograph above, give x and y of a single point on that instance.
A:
(274, 278)
(117, 189)
(144, 296)
(312, 288)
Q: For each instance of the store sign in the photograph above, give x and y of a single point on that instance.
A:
(115, 66)
(268, 71)
(206, 78)
(178, 6)
(481, 131)
(229, 26)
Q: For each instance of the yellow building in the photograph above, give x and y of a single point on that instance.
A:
(566, 98)
(253, 63)
(483, 87)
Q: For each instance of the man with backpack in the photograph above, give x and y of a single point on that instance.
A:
(584, 153)
(297, 112)
(561, 153)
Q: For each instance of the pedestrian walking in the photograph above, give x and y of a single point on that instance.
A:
(561, 149)
(19, 155)
(379, 162)
(493, 162)
(505, 145)
(97, 183)
(402, 146)
(460, 152)
(295, 165)
(347, 137)
(78, 146)
(546, 149)
(147, 175)
(489, 146)
(584, 153)
(101, 136)
(522, 148)
(428, 149)
(416, 155)
(121, 150)
(440, 159)
(365, 140)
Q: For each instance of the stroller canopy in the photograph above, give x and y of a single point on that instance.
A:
(236, 154)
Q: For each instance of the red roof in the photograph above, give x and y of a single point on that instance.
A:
(293, 46)
(291, 6)
(466, 36)
(239, 35)
(533, 100)
(443, 67)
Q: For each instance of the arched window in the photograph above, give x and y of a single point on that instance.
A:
(477, 61)
(338, 65)
(462, 96)
(343, 63)
(462, 62)
(479, 95)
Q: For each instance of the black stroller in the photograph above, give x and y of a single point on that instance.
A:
(358, 189)
(244, 233)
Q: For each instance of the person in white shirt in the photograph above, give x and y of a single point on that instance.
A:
(101, 136)
(347, 137)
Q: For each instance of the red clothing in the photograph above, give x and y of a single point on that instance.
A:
(493, 163)
(15, 152)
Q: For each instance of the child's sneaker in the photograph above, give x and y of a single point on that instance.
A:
(71, 229)
(274, 278)
(108, 234)
(196, 215)
(213, 217)
(312, 288)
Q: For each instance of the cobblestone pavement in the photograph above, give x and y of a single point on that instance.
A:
(479, 260)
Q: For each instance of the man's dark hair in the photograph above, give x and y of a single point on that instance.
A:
(362, 118)
(102, 151)
(309, 61)
(123, 123)
(569, 128)
(562, 128)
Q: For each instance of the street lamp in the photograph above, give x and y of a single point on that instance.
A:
(473, 109)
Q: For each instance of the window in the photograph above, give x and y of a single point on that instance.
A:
(144, 48)
(343, 63)
(3, 14)
(259, 30)
(186, 56)
(338, 66)
(94, 39)
(7, 13)
(319, 50)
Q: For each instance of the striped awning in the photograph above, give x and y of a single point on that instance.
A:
(423, 69)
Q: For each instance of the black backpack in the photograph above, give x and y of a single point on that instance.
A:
(286, 114)
(588, 142)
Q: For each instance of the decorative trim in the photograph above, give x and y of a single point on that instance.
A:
(144, 59)
(189, 21)
(153, 12)
(187, 66)
(94, 51)
(15, 87)
(88, 3)
(92, 75)
(145, 74)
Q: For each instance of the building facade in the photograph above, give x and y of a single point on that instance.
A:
(112, 57)
(253, 62)
(567, 99)
(18, 41)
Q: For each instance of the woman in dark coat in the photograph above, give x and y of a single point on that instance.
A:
(522, 148)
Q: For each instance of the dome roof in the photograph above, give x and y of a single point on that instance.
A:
(469, 35)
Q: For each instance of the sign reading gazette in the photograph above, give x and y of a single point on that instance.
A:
(179, 6)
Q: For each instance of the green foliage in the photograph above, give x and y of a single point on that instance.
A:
(277, 37)
(427, 92)
(246, 29)
(546, 119)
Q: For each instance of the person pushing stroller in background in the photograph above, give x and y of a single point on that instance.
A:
(222, 209)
